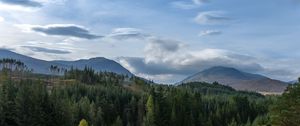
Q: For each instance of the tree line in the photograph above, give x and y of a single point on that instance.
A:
(108, 99)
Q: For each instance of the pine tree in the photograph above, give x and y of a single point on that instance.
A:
(286, 111)
(150, 117)
(173, 117)
(23, 106)
(118, 122)
(233, 123)
(248, 123)
(7, 104)
(99, 117)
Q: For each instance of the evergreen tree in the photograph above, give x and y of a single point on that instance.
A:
(233, 123)
(286, 111)
(173, 117)
(118, 122)
(150, 118)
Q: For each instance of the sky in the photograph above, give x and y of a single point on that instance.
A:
(161, 40)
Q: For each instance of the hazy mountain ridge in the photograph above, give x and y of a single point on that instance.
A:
(238, 80)
(98, 63)
(42, 66)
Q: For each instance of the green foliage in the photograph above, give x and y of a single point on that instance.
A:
(89, 76)
(118, 122)
(150, 117)
(286, 110)
(105, 99)
(262, 121)
(233, 123)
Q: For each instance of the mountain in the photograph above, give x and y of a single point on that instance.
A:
(238, 80)
(42, 66)
(39, 66)
(293, 82)
(99, 64)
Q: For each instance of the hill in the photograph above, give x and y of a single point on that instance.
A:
(238, 80)
(42, 67)
(102, 99)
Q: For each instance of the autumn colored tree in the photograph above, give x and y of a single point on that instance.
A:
(83, 122)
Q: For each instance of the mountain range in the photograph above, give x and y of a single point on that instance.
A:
(42, 66)
(238, 79)
(224, 75)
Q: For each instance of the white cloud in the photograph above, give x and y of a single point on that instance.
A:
(199, 2)
(186, 5)
(1, 19)
(212, 18)
(157, 49)
(170, 61)
(209, 32)
(169, 58)
(9, 8)
(127, 33)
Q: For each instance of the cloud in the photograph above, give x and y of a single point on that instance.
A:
(184, 5)
(7, 48)
(25, 3)
(127, 33)
(70, 30)
(1, 19)
(193, 4)
(46, 50)
(171, 58)
(158, 48)
(212, 18)
(198, 2)
(210, 33)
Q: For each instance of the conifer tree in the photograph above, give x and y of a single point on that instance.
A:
(150, 117)
(118, 122)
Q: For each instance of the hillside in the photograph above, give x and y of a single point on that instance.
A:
(42, 66)
(103, 99)
(238, 80)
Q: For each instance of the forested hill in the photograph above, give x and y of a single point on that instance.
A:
(238, 80)
(109, 99)
(216, 89)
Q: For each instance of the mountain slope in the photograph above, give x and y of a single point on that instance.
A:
(39, 66)
(238, 80)
(99, 64)
(42, 66)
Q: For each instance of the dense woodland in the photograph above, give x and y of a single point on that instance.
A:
(85, 97)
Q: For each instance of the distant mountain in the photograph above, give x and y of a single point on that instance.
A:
(238, 80)
(293, 82)
(42, 66)
(99, 64)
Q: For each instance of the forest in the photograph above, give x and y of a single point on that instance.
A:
(90, 98)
